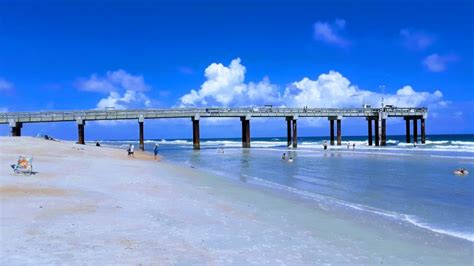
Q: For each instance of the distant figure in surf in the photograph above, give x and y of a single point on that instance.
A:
(353, 146)
(97, 144)
(283, 157)
(155, 151)
(348, 145)
(414, 144)
(325, 145)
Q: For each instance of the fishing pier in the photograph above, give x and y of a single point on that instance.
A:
(376, 120)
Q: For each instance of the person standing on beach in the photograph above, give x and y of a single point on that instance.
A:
(283, 157)
(132, 150)
(129, 149)
(325, 144)
(353, 146)
(155, 151)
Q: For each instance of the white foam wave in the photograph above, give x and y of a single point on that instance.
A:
(393, 215)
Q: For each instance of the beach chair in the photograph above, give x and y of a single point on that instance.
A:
(23, 166)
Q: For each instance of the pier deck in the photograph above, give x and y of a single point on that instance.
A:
(376, 115)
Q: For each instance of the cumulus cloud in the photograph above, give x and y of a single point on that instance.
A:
(113, 81)
(335, 90)
(130, 99)
(416, 39)
(5, 85)
(124, 90)
(438, 63)
(331, 32)
(225, 86)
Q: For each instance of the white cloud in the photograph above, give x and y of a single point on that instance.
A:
(415, 39)
(225, 86)
(331, 32)
(5, 85)
(438, 63)
(334, 90)
(113, 81)
(130, 99)
(124, 90)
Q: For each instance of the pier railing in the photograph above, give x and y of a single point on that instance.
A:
(90, 115)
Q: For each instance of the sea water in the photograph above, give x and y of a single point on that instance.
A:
(414, 185)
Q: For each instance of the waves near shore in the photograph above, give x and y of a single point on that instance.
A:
(401, 182)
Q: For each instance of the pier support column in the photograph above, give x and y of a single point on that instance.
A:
(339, 137)
(377, 135)
(141, 135)
(423, 135)
(384, 133)
(15, 128)
(288, 131)
(407, 129)
(369, 130)
(331, 131)
(80, 131)
(415, 130)
(196, 138)
(245, 131)
(295, 133)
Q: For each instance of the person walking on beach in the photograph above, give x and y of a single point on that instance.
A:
(325, 145)
(129, 150)
(155, 151)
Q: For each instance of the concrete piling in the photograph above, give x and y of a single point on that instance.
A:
(423, 135)
(369, 130)
(407, 129)
(331, 131)
(377, 136)
(339, 137)
(288, 131)
(141, 134)
(245, 131)
(196, 138)
(384, 133)
(80, 131)
(15, 128)
(295, 134)
(415, 130)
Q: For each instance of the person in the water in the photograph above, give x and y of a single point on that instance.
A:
(283, 157)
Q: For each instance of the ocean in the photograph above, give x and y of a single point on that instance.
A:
(399, 182)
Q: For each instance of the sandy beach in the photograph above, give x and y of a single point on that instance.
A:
(94, 205)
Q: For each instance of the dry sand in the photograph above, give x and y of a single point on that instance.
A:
(91, 205)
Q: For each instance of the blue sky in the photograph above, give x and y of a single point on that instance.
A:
(92, 54)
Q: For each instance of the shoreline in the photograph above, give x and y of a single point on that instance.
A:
(296, 194)
(215, 219)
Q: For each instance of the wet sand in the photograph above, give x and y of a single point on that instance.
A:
(90, 205)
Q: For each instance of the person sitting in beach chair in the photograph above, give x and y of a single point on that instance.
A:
(24, 165)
